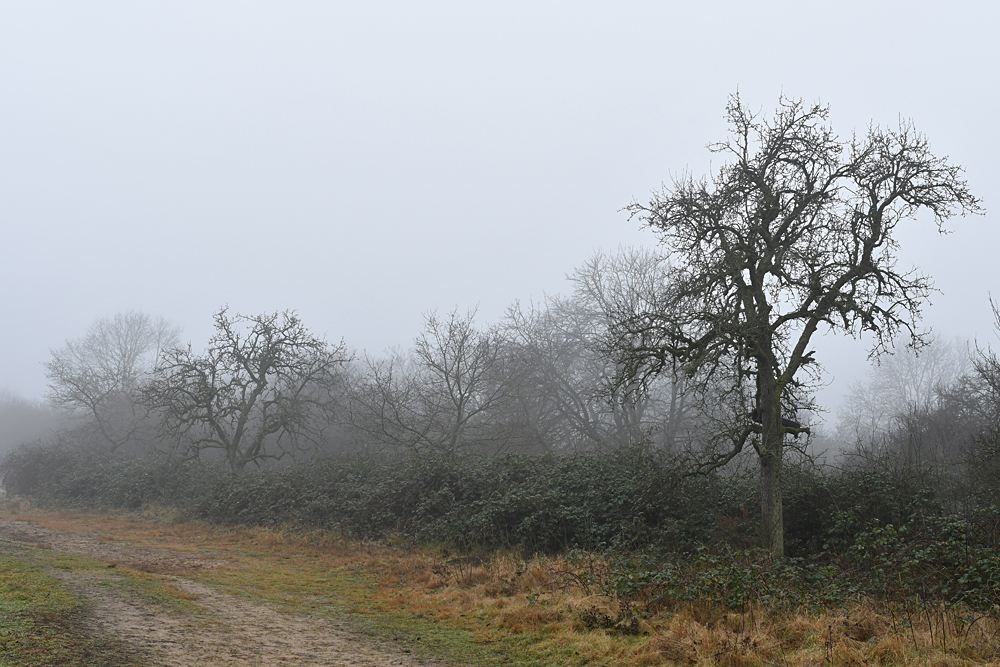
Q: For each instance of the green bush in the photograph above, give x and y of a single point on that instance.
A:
(944, 558)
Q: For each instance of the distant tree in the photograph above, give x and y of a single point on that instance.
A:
(442, 399)
(986, 366)
(981, 391)
(562, 380)
(795, 232)
(566, 384)
(903, 388)
(671, 407)
(99, 376)
(259, 391)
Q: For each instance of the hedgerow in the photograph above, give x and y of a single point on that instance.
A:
(625, 500)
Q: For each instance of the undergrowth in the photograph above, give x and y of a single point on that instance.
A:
(545, 504)
(621, 544)
(578, 608)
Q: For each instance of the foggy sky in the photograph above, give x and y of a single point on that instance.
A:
(364, 163)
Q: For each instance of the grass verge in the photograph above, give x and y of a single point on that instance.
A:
(44, 624)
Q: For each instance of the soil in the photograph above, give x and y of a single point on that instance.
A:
(225, 630)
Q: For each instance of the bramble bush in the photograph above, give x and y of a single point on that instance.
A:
(623, 500)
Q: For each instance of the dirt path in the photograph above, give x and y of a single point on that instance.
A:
(225, 630)
(78, 544)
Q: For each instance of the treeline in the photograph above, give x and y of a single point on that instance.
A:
(266, 389)
(932, 415)
(480, 439)
(518, 434)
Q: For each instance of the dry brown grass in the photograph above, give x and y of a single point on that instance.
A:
(548, 601)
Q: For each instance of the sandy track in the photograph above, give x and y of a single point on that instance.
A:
(146, 560)
(225, 630)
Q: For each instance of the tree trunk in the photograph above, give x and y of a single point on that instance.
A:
(770, 451)
(772, 521)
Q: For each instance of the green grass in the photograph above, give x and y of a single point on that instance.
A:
(44, 624)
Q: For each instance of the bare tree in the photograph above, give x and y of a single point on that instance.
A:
(257, 393)
(561, 379)
(795, 232)
(443, 398)
(99, 375)
(566, 383)
(630, 280)
(902, 385)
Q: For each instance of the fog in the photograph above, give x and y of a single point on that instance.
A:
(24, 421)
(367, 164)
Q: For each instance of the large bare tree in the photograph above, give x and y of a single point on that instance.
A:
(99, 375)
(796, 231)
(258, 392)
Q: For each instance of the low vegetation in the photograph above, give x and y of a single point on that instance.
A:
(615, 558)
(43, 624)
(577, 608)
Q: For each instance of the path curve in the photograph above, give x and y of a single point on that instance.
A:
(226, 630)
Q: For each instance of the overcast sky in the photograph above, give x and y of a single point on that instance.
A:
(364, 163)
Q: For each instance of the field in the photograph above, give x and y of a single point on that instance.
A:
(149, 588)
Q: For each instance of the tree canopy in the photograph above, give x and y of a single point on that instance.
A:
(99, 376)
(252, 395)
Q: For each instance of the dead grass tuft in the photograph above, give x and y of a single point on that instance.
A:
(703, 612)
(861, 624)
(889, 651)
(473, 577)
(948, 661)
(677, 650)
(796, 633)
(844, 654)
(737, 659)
(522, 618)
